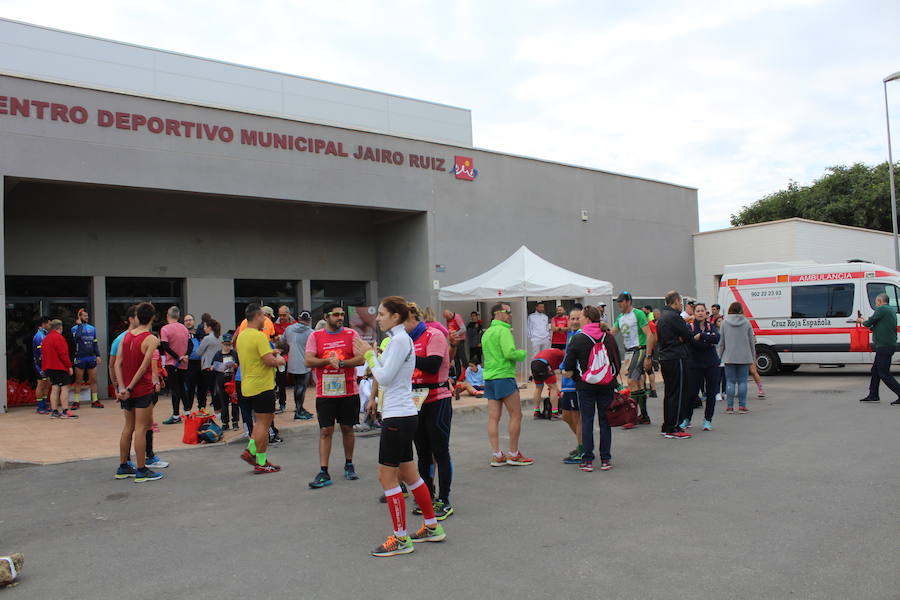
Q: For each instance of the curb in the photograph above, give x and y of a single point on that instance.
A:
(6, 464)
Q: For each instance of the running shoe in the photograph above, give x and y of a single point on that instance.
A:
(442, 510)
(759, 391)
(350, 473)
(266, 468)
(518, 459)
(321, 480)
(394, 546)
(235, 425)
(743, 409)
(279, 410)
(499, 461)
(653, 393)
(870, 399)
(67, 415)
(54, 414)
(555, 416)
(429, 534)
(172, 420)
(587, 466)
(276, 440)
(896, 402)
(644, 420)
(629, 426)
(707, 425)
(573, 459)
(248, 458)
(729, 411)
(125, 471)
(97, 404)
(145, 474)
(605, 465)
(678, 435)
(156, 463)
(224, 426)
(579, 450)
(43, 410)
(538, 414)
(685, 424)
(75, 405)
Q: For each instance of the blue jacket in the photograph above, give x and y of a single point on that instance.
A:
(36, 342)
(85, 341)
(704, 351)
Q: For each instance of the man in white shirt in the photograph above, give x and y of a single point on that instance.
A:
(538, 329)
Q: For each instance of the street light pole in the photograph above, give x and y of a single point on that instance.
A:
(887, 118)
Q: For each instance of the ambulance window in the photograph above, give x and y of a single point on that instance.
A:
(822, 301)
(873, 289)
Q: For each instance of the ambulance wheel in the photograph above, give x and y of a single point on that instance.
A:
(767, 362)
(789, 368)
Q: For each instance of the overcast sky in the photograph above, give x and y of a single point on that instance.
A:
(734, 98)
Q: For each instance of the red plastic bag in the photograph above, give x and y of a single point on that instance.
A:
(26, 394)
(859, 339)
(12, 392)
(192, 423)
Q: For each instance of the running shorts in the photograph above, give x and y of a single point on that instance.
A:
(636, 364)
(498, 389)
(343, 410)
(542, 373)
(568, 401)
(139, 402)
(262, 403)
(59, 378)
(89, 362)
(396, 445)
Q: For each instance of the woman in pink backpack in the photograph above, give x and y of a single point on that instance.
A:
(592, 360)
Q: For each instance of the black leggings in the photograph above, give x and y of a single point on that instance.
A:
(207, 387)
(192, 382)
(222, 402)
(176, 389)
(433, 445)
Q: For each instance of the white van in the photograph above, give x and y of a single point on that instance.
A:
(806, 313)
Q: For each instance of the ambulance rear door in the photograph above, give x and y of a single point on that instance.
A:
(887, 286)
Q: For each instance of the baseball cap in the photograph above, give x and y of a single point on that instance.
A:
(602, 304)
(227, 337)
(304, 315)
(623, 297)
(268, 310)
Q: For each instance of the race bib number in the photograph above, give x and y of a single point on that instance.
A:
(334, 384)
(418, 396)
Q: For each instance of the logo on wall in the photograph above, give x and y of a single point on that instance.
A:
(464, 168)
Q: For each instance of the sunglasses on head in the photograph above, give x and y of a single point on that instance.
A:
(336, 314)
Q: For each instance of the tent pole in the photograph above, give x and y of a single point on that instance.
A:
(525, 336)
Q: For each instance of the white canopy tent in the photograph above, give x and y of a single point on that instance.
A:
(525, 275)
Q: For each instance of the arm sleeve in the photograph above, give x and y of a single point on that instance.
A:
(429, 364)
(164, 346)
(871, 321)
(508, 348)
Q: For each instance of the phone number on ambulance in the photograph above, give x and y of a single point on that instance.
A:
(765, 293)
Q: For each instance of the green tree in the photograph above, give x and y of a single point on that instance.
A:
(858, 195)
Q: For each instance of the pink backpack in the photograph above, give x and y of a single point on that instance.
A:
(599, 370)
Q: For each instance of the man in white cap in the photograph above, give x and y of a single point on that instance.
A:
(604, 318)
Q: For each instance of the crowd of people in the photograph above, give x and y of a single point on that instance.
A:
(404, 386)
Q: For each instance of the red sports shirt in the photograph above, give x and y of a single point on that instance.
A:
(560, 337)
(324, 344)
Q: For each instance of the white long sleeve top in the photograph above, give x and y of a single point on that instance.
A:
(538, 326)
(393, 370)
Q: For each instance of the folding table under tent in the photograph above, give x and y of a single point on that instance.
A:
(525, 275)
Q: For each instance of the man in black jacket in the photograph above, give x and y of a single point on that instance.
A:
(673, 339)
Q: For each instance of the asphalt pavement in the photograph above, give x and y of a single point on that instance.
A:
(798, 499)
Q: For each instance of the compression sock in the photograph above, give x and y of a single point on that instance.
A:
(150, 453)
(261, 458)
(94, 397)
(423, 499)
(251, 446)
(640, 396)
(397, 510)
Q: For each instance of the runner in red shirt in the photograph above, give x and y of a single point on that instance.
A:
(543, 370)
(330, 352)
(137, 392)
(457, 329)
(559, 325)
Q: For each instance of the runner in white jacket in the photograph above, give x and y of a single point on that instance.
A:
(393, 370)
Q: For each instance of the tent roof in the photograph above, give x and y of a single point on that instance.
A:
(525, 274)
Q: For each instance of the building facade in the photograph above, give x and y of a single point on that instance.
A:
(112, 196)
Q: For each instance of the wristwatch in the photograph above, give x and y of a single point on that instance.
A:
(340, 364)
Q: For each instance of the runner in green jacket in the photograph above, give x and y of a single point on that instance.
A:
(500, 387)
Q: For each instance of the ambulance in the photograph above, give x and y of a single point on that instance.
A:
(805, 313)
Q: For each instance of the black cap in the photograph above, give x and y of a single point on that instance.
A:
(623, 297)
(304, 316)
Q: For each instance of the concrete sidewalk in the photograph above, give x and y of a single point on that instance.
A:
(27, 438)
